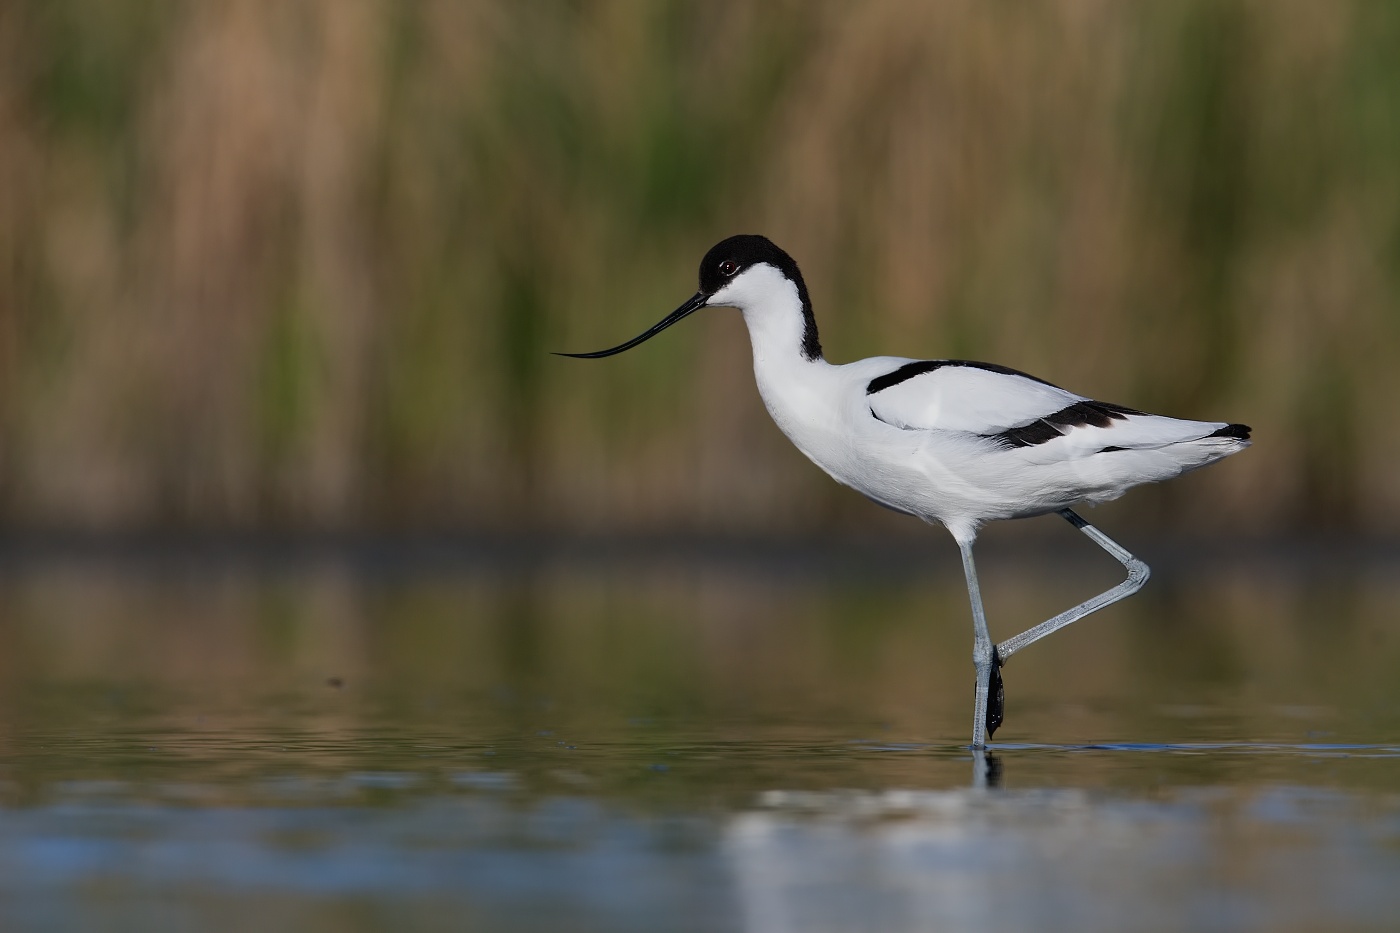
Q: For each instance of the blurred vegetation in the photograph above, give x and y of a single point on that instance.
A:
(300, 264)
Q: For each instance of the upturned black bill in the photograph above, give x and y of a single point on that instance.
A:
(696, 302)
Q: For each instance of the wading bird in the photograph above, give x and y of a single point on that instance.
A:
(949, 441)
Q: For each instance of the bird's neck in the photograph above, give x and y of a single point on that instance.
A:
(788, 367)
(782, 328)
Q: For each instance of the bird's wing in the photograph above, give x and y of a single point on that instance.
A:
(1018, 411)
(957, 395)
(1098, 427)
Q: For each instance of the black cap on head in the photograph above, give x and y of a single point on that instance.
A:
(733, 255)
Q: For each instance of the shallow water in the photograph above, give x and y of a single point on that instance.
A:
(764, 740)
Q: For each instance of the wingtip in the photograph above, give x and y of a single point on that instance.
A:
(1237, 431)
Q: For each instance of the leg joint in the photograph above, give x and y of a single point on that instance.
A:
(1138, 572)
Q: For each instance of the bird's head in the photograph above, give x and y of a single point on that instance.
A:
(747, 272)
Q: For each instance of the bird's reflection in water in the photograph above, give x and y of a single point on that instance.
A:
(986, 769)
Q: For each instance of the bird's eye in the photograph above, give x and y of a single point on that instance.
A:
(728, 267)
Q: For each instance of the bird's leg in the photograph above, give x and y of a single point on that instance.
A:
(987, 707)
(1137, 576)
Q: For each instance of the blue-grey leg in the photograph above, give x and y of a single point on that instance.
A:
(1137, 576)
(983, 651)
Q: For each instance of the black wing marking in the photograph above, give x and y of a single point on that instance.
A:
(919, 367)
(1240, 431)
(1080, 414)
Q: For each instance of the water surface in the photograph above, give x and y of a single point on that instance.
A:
(766, 740)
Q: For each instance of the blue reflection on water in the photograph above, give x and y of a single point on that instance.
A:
(564, 861)
(1276, 858)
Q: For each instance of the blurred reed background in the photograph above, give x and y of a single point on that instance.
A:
(276, 264)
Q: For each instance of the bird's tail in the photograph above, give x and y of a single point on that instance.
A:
(1217, 445)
